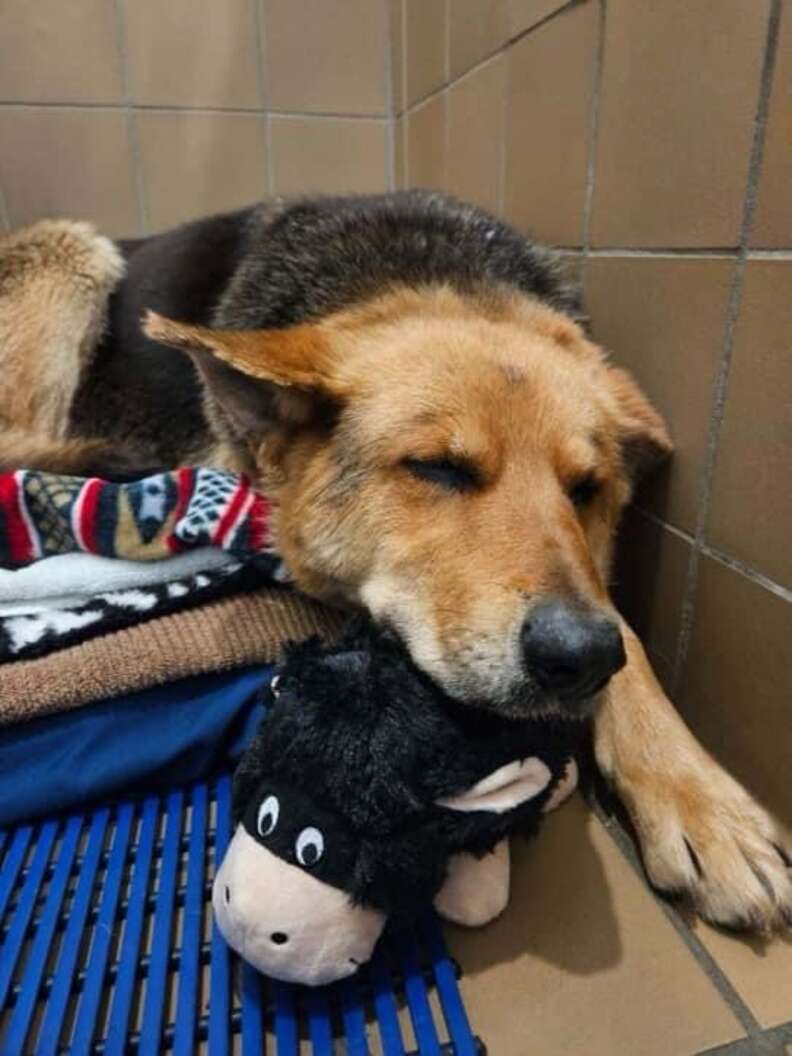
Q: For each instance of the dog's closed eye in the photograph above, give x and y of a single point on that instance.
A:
(447, 473)
(584, 490)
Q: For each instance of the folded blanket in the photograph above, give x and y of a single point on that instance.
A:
(43, 514)
(29, 634)
(145, 525)
(232, 633)
(68, 580)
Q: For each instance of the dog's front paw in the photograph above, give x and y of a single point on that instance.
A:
(703, 836)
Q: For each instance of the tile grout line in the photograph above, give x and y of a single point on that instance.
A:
(593, 123)
(503, 151)
(390, 136)
(323, 116)
(404, 112)
(703, 252)
(501, 48)
(695, 947)
(719, 391)
(770, 254)
(261, 85)
(176, 108)
(753, 575)
(761, 1044)
(5, 216)
(131, 124)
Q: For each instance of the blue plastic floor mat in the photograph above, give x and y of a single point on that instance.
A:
(107, 946)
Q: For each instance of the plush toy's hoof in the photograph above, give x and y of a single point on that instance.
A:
(476, 890)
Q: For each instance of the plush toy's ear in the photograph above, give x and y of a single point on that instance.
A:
(644, 437)
(504, 789)
(257, 377)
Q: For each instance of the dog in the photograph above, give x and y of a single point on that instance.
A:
(411, 381)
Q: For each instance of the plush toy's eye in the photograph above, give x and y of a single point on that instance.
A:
(309, 846)
(268, 815)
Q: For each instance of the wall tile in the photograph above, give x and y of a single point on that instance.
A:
(663, 318)
(679, 94)
(738, 683)
(584, 961)
(219, 67)
(329, 155)
(751, 511)
(523, 14)
(60, 53)
(475, 134)
(476, 29)
(426, 144)
(649, 580)
(547, 127)
(73, 163)
(325, 57)
(195, 164)
(773, 220)
(425, 45)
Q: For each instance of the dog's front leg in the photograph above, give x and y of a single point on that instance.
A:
(701, 833)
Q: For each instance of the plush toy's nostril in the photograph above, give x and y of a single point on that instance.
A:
(227, 893)
(279, 938)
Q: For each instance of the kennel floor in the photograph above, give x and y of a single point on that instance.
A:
(107, 947)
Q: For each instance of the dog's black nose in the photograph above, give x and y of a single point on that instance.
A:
(571, 651)
(279, 938)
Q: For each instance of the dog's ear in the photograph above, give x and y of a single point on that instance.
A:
(257, 376)
(643, 434)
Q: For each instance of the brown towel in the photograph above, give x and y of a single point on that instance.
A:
(234, 632)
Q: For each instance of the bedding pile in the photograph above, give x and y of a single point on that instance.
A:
(137, 620)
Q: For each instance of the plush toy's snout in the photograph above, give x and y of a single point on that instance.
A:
(274, 898)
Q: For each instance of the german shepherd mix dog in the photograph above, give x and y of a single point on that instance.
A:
(409, 379)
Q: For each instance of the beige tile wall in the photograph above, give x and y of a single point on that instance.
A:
(652, 141)
(139, 114)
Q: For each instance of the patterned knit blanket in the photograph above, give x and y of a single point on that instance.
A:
(48, 521)
(42, 514)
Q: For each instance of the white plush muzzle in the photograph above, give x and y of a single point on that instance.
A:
(287, 923)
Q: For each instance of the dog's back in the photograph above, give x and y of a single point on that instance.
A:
(276, 265)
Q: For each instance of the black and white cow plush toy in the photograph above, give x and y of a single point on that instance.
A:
(368, 793)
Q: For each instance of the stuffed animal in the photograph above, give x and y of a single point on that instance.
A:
(367, 794)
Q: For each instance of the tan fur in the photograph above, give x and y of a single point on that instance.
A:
(54, 280)
(516, 389)
(520, 392)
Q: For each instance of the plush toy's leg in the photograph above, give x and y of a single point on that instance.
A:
(476, 890)
(565, 787)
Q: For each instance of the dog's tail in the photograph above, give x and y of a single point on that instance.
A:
(21, 449)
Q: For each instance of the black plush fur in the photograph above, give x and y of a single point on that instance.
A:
(368, 737)
(274, 265)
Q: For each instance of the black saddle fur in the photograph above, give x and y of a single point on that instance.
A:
(274, 265)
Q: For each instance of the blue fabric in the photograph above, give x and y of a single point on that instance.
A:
(141, 742)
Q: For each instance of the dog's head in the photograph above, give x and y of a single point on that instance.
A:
(457, 464)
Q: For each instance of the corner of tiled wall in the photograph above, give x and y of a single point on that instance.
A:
(591, 125)
(650, 142)
(588, 123)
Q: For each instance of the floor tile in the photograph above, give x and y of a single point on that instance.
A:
(584, 962)
(760, 972)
